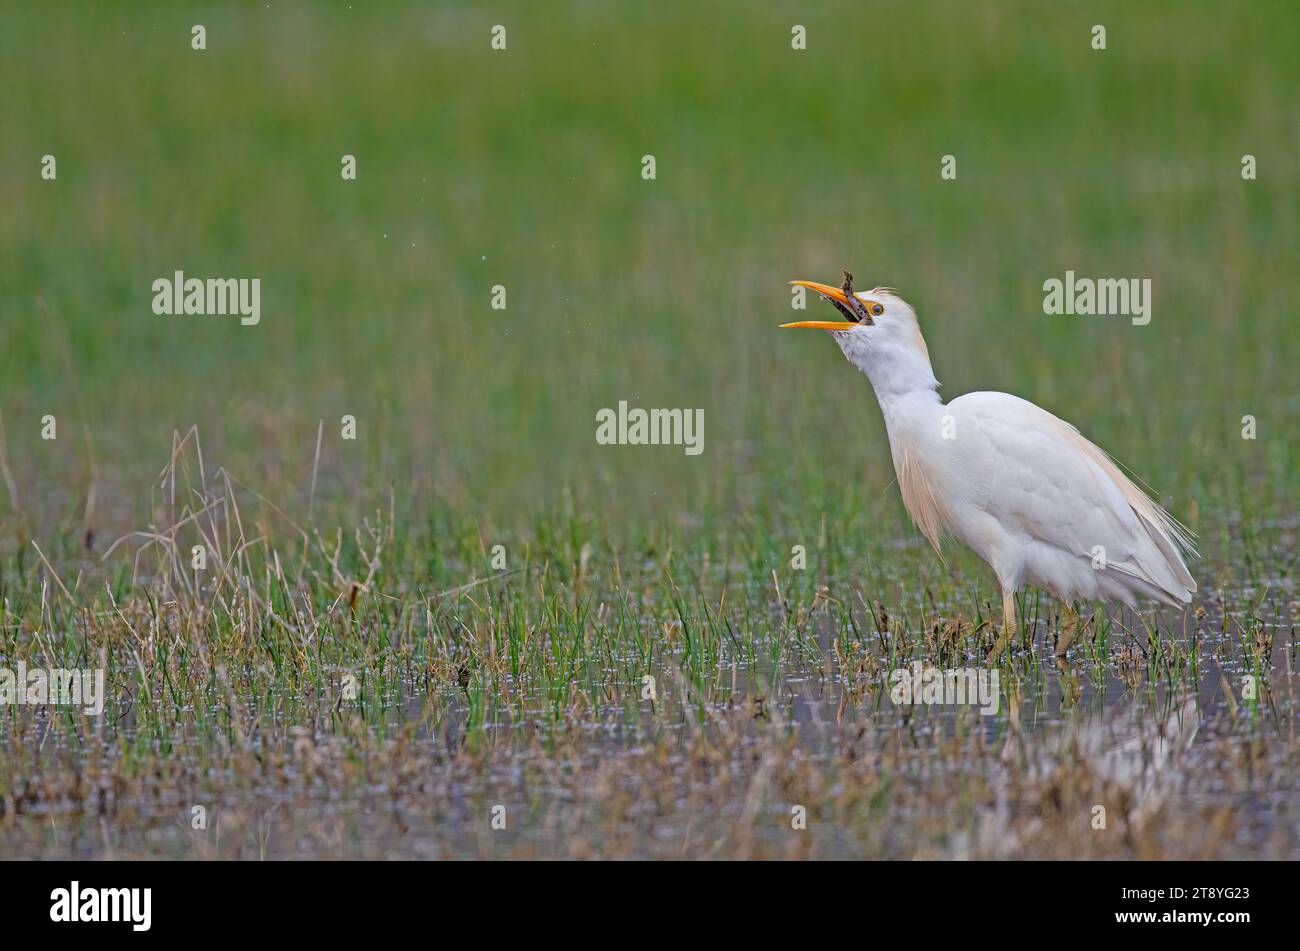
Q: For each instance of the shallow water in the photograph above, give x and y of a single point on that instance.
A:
(717, 764)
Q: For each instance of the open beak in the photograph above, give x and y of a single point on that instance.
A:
(829, 293)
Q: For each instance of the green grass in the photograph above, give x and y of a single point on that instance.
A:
(476, 426)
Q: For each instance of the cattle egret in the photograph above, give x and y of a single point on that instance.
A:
(1022, 488)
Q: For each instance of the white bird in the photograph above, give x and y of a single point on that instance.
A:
(1023, 489)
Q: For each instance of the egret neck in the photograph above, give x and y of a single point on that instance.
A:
(900, 373)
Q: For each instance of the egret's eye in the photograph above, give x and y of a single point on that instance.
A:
(877, 310)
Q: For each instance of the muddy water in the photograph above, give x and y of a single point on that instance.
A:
(1111, 757)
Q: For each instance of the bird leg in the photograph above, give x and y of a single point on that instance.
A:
(1069, 627)
(1009, 626)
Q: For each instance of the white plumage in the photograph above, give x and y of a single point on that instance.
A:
(1022, 488)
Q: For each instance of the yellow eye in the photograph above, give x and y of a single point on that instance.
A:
(877, 310)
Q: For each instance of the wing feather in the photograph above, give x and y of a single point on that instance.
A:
(1048, 481)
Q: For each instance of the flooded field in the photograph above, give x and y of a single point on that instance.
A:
(598, 709)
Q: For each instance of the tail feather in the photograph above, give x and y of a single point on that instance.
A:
(1163, 566)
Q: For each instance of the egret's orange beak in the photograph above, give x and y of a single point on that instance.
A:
(830, 293)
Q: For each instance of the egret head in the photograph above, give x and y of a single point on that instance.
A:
(879, 334)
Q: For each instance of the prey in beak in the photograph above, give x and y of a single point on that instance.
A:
(845, 301)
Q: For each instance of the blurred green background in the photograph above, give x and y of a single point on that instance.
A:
(523, 167)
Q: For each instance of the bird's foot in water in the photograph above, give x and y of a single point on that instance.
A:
(1069, 628)
(1005, 637)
